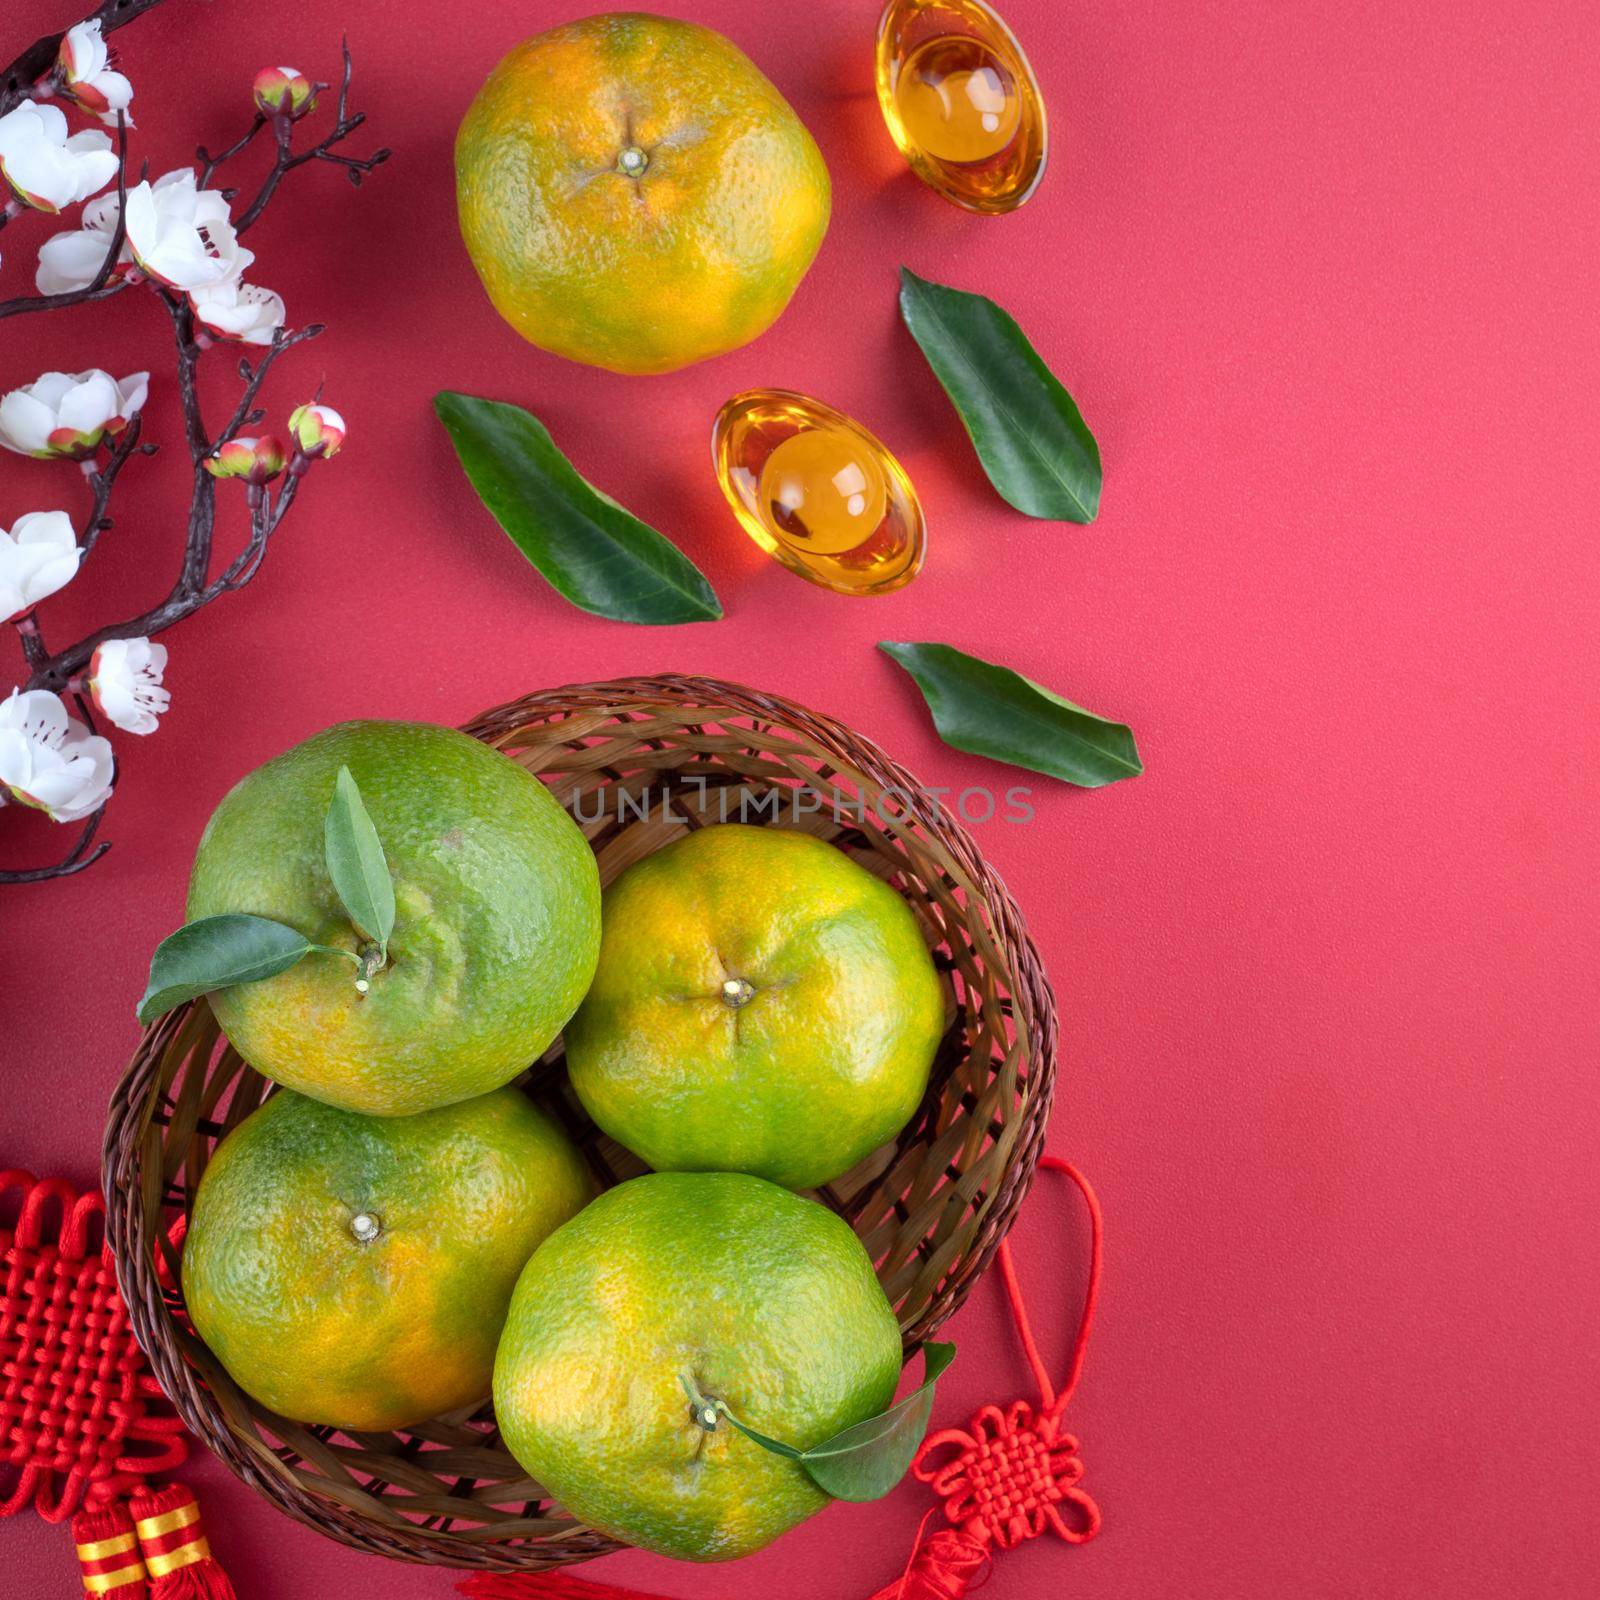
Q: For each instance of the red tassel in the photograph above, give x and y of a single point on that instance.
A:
(942, 1568)
(176, 1551)
(108, 1552)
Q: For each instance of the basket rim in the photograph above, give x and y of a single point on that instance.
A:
(136, 1095)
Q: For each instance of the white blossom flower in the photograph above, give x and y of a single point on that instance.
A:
(50, 760)
(84, 64)
(69, 414)
(182, 235)
(38, 556)
(125, 680)
(72, 261)
(238, 311)
(318, 430)
(46, 169)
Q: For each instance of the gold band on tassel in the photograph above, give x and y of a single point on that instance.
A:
(100, 1582)
(195, 1550)
(101, 1548)
(169, 1521)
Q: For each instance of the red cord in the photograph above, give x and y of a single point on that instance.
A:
(1048, 1398)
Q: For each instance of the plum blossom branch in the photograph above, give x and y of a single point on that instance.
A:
(176, 236)
(286, 160)
(19, 81)
(194, 587)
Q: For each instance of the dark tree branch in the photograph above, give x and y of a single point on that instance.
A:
(210, 163)
(79, 857)
(103, 480)
(32, 641)
(24, 304)
(265, 516)
(189, 353)
(253, 380)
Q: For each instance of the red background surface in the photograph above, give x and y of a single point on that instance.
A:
(1322, 278)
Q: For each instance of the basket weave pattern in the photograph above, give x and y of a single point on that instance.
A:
(637, 762)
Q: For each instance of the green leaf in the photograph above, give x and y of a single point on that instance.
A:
(597, 555)
(216, 953)
(357, 864)
(776, 1446)
(1029, 435)
(992, 711)
(866, 1461)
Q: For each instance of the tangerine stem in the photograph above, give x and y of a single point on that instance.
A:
(372, 959)
(705, 1412)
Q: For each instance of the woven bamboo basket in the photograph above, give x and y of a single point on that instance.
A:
(637, 762)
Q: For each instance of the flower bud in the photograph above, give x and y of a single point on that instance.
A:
(256, 461)
(318, 431)
(284, 92)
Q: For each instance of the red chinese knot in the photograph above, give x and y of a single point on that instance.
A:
(1011, 1478)
(82, 1422)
